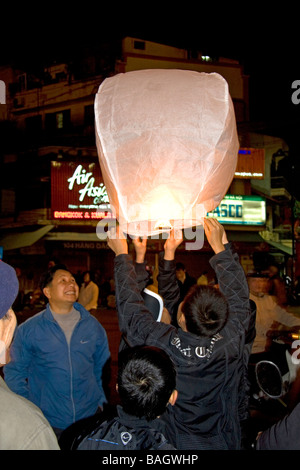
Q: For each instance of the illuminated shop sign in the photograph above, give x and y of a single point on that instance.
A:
(78, 192)
(251, 163)
(241, 210)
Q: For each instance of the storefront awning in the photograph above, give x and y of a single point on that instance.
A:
(243, 236)
(95, 236)
(280, 246)
(72, 237)
(237, 236)
(14, 241)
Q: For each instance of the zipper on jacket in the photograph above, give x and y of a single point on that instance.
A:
(70, 363)
(71, 369)
(71, 379)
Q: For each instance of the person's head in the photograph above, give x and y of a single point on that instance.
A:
(18, 271)
(59, 287)
(273, 270)
(258, 284)
(86, 277)
(203, 312)
(146, 381)
(52, 262)
(9, 288)
(180, 272)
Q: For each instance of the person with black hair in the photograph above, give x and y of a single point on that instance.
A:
(146, 386)
(270, 316)
(208, 347)
(58, 356)
(185, 281)
(277, 286)
(88, 293)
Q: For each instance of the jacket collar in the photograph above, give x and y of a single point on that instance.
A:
(136, 423)
(83, 312)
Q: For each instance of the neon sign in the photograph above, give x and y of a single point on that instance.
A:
(81, 215)
(80, 177)
(78, 192)
(241, 210)
(251, 163)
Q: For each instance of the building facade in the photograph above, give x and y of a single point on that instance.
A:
(48, 133)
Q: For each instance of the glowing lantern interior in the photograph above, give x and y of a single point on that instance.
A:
(167, 146)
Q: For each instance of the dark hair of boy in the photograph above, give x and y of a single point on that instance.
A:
(146, 380)
(205, 309)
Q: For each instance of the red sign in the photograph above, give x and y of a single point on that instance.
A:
(251, 164)
(78, 192)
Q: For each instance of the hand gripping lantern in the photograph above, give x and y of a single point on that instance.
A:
(167, 146)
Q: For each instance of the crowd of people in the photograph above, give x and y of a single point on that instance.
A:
(183, 381)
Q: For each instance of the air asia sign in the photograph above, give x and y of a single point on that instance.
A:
(78, 192)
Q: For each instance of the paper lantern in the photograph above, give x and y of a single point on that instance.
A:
(167, 146)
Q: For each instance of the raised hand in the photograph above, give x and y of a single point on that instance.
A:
(172, 243)
(117, 242)
(215, 234)
(140, 245)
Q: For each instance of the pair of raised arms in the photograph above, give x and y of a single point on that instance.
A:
(214, 231)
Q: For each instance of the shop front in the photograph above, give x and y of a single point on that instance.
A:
(74, 229)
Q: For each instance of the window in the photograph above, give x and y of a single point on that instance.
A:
(58, 121)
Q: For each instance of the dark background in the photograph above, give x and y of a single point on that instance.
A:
(264, 39)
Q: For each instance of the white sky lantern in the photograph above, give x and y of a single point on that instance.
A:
(167, 146)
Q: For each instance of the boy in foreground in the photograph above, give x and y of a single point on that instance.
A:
(146, 385)
(207, 347)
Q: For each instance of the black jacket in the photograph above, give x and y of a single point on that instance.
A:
(284, 435)
(210, 371)
(126, 432)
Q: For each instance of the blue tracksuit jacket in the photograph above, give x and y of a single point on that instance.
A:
(64, 381)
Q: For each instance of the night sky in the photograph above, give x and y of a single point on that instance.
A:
(265, 42)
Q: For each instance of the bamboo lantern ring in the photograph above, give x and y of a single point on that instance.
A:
(167, 146)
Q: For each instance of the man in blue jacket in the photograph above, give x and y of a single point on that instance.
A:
(58, 355)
